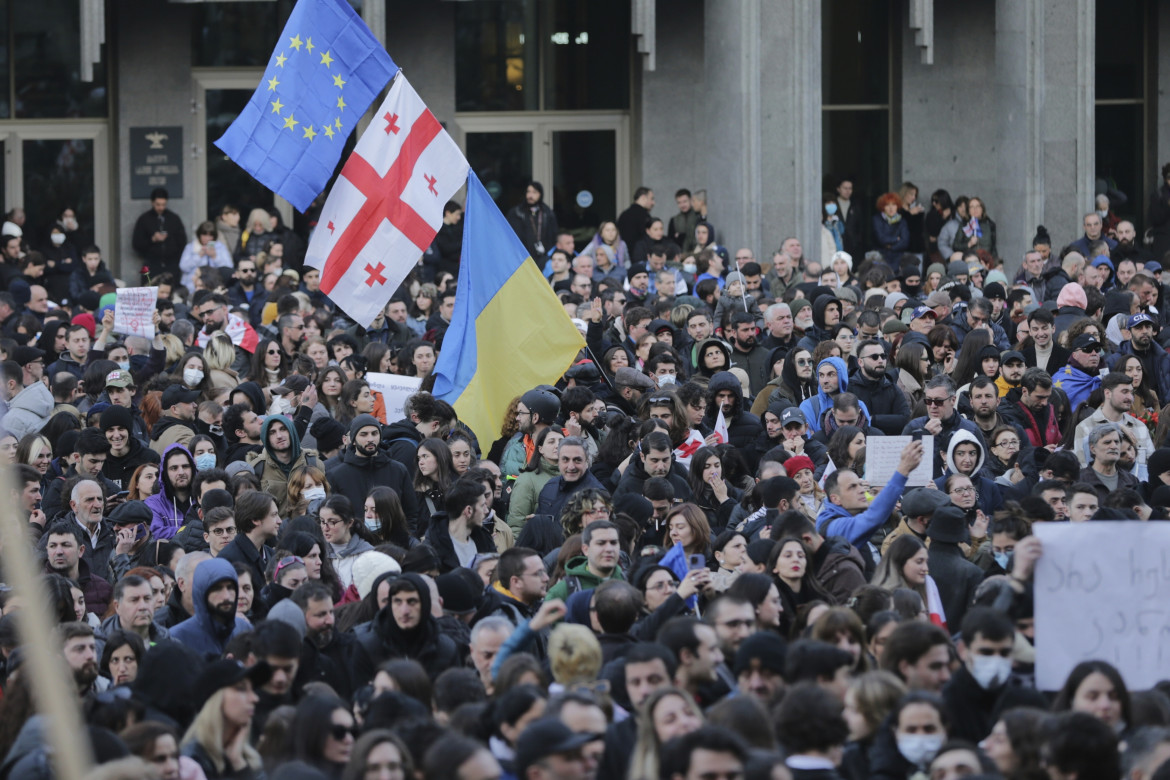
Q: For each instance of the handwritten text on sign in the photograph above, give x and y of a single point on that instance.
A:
(134, 311)
(882, 454)
(395, 390)
(1103, 593)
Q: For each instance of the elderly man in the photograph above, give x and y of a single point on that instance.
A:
(1118, 390)
(1093, 233)
(1102, 473)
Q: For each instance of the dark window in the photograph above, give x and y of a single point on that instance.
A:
(237, 34)
(46, 49)
(552, 55)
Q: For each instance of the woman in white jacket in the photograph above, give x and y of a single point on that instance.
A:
(204, 251)
(344, 535)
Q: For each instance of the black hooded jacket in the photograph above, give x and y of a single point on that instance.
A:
(382, 639)
(742, 427)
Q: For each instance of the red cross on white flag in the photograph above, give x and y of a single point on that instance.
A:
(387, 204)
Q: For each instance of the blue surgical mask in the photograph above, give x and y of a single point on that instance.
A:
(205, 462)
(830, 208)
(124, 365)
(1003, 559)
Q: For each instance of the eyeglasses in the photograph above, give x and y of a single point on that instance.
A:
(229, 530)
(666, 585)
(1008, 443)
(339, 732)
(962, 490)
(936, 401)
(803, 362)
(333, 523)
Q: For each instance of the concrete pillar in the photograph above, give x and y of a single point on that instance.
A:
(761, 133)
(156, 90)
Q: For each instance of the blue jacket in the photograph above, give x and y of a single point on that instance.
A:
(820, 403)
(837, 521)
(555, 493)
(1157, 358)
(203, 632)
(891, 239)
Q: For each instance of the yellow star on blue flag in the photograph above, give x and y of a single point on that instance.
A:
(294, 165)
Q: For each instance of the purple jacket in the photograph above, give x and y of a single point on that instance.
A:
(168, 512)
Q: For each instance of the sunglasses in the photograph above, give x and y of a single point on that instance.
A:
(338, 732)
(935, 401)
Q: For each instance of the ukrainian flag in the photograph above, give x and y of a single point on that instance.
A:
(509, 332)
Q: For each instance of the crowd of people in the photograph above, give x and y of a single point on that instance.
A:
(667, 564)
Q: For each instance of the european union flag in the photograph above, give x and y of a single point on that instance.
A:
(325, 71)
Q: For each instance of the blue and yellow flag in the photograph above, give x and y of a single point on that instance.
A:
(325, 71)
(509, 332)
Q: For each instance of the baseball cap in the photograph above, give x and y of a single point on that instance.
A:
(119, 378)
(177, 394)
(1011, 355)
(295, 383)
(1086, 343)
(1153, 266)
(1138, 319)
(923, 311)
(792, 415)
(921, 502)
(632, 377)
(546, 737)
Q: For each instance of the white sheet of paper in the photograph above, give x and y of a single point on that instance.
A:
(134, 311)
(882, 454)
(395, 390)
(1102, 592)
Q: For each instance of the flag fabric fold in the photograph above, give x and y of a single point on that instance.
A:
(386, 206)
(325, 71)
(675, 559)
(509, 331)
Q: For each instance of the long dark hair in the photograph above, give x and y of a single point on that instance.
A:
(446, 467)
(839, 445)
(1076, 677)
(350, 391)
(393, 525)
(299, 537)
(967, 362)
(534, 462)
(257, 372)
(310, 728)
(341, 506)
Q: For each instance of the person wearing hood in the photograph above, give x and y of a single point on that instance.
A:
(364, 465)
(796, 383)
(710, 356)
(127, 453)
(177, 424)
(29, 409)
(404, 628)
(725, 394)
(457, 534)
(942, 420)
(832, 377)
(876, 389)
(173, 498)
(826, 316)
(536, 224)
(1071, 304)
(281, 454)
(965, 455)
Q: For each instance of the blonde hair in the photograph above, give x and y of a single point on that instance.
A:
(174, 347)
(257, 215)
(296, 483)
(208, 732)
(219, 353)
(875, 694)
(644, 762)
(574, 654)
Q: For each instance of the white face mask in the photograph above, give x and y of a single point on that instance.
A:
(991, 671)
(919, 749)
(1102, 213)
(192, 376)
(313, 493)
(279, 405)
(57, 238)
(690, 268)
(666, 379)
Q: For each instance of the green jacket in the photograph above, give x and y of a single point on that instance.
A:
(525, 492)
(583, 579)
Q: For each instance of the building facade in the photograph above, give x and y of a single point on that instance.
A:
(1034, 105)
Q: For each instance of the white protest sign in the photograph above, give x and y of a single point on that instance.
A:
(395, 390)
(1102, 592)
(882, 454)
(134, 311)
